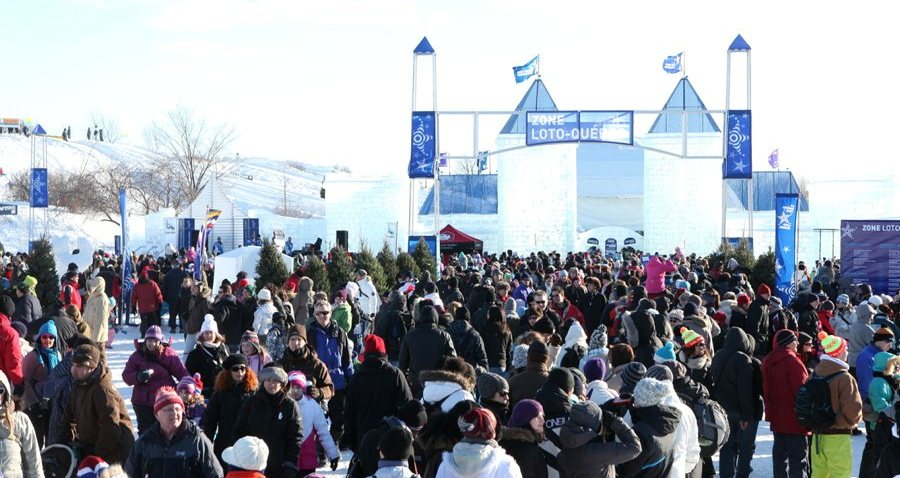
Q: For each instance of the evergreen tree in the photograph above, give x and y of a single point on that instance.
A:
(340, 269)
(42, 266)
(270, 269)
(424, 259)
(366, 260)
(388, 263)
(726, 251)
(406, 263)
(316, 270)
(764, 270)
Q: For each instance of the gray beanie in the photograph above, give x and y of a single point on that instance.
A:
(520, 356)
(580, 380)
(273, 373)
(489, 384)
(649, 392)
(660, 372)
(631, 375)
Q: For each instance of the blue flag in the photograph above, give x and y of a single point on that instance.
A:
(786, 209)
(39, 196)
(672, 64)
(424, 137)
(738, 150)
(127, 266)
(527, 70)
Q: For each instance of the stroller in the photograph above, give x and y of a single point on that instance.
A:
(59, 461)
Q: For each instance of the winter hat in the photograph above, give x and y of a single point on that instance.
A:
(234, 359)
(537, 352)
(691, 338)
(297, 379)
(649, 392)
(7, 306)
(91, 467)
(413, 415)
(264, 294)
(73, 267)
(30, 282)
(666, 353)
(631, 375)
(620, 354)
(691, 309)
(372, 344)
(209, 324)
(720, 317)
(489, 384)
(478, 423)
(833, 345)
(775, 301)
(249, 453)
(20, 328)
(843, 299)
(784, 337)
(543, 326)
(883, 334)
(250, 336)
(87, 355)
(803, 338)
(190, 384)
(598, 338)
(875, 301)
(763, 289)
(520, 356)
(682, 285)
(594, 369)
(743, 299)
(273, 373)
(584, 424)
(49, 328)
(881, 361)
(661, 373)
(524, 412)
(166, 396)
(298, 330)
(562, 378)
(154, 332)
(396, 444)
(828, 305)
(676, 315)
(580, 380)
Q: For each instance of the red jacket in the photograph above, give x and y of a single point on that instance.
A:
(147, 296)
(10, 354)
(568, 312)
(74, 296)
(825, 320)
(783, 373)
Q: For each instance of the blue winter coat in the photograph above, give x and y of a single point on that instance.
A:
(330, 344)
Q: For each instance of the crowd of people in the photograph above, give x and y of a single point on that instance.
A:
(541, 365)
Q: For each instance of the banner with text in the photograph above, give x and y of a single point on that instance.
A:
(424, 139)
(785, 246)
(546, 127)
(870, 253)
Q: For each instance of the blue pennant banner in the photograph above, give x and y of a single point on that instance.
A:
(672, 64)
(128, 266)
(39, 196)
(527, 70)
(786, 209)
(424, 137)
(738, 151)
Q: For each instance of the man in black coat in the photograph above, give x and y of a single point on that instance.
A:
(365, 461)
(171, 289)
(758, 320)
(425, 347)
(373, 392)
(228, 315)
(466, 340)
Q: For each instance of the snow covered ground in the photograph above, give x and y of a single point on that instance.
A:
(124, 346)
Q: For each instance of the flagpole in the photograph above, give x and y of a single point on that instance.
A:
(684, 64)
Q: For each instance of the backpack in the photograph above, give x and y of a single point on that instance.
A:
(813, 404)
(275, 342)
(712, 426)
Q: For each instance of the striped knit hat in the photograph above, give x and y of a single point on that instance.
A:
(832, 345)
(690, 337)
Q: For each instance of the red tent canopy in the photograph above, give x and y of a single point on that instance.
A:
(454, 240)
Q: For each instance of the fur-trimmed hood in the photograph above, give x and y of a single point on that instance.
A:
(446, 376)
(446, 388)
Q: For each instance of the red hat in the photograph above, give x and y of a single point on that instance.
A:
(372, 344)
(743, 299)
(720, 317)
(478, 423)
(763, 289)
(91, 467)
(164, 397)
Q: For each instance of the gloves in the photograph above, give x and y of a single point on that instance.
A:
(334, 463)
(144, 375)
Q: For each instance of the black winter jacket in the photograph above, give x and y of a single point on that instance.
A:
(375, 391)
(392, 323)
(468, 343)
(737, 377)
(655, 427)
(758, 325)
(230, 319)
(522, 445)
(597, 458)
(276, 420)
(497, 348)
(207, 361)
(221, 409)
(424, 348)
(171, 286)
(188, 455)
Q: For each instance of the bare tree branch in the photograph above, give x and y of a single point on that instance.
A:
(110, 126)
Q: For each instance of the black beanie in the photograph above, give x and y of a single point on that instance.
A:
(562, 378)
(538, 352)
(234, 359)
(413, 415)
(7, 306)
(396, 444)
(544, 326)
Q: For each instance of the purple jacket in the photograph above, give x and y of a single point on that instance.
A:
(167, 370)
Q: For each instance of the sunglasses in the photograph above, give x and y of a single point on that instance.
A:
(239, 368)
(323, 312)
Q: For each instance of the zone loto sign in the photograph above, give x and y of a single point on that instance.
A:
(9, 209)
(546, 127)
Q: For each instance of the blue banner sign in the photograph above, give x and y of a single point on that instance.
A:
(547, 127)
(738, 153)
(610, 247)
(39, 197)
(424, 145)
(870, 254)
(786, 209)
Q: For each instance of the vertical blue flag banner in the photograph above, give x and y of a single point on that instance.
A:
(421, 158)
(786, 208)
(527, 70)
(127, 266)
(738, 151)
(39, 196)
(672, 64)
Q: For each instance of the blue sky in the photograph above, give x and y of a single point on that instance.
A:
(330, 82)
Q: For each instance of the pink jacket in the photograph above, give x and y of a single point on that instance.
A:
(656, 274)
(315, 427)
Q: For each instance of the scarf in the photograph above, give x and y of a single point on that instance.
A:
(50, 357)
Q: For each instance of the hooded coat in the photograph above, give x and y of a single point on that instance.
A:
(10, 356)
(303, 301)
(656, 274)
(783, 374)
(36, 368)
(468, 343)
(230, 320)
(587, 454)
(20, 454)
(845, 399)
(146, 295)
(206, 360)
(424, 348)
(737, 377)
(481, 460)
(167, 371)
(574, 348)
(331, 347)
(444, 389)
(391, 324)
(96, 310)
(275, 419)
(374, 392)
(861, 333)
(655, 426)
(640, 329)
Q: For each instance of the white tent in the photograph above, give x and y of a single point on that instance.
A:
(243, 259)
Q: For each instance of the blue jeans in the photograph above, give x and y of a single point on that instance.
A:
(737, 452)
